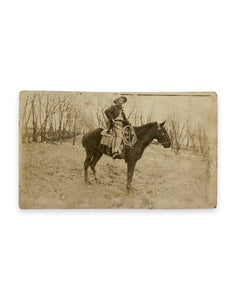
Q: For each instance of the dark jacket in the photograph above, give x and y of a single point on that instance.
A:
(113, 111)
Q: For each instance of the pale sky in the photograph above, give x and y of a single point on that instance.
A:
(196, 108)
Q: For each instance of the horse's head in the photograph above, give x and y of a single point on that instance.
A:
(162, 135)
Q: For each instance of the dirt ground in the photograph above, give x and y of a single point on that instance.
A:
(52, 176)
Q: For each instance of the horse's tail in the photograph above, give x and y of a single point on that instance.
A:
(84, 140)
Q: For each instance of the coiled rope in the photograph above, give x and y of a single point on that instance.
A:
(129, 136)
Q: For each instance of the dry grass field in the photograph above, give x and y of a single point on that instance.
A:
(52, 176)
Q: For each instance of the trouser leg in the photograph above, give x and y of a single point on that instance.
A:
(118, 136)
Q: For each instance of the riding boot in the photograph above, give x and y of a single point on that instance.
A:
(115, 155)
(118, 155)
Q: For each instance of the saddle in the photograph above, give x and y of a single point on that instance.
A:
(107, 138)
(107, 141)
(129, 138)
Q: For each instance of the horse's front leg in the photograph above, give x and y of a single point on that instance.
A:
(130, 171)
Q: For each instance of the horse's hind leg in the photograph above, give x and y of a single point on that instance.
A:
(97, 155)
(86, 165)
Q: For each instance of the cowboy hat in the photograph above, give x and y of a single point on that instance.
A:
(122, 97)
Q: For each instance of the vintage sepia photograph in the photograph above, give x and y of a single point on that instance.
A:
(120, 150)
(88, 150)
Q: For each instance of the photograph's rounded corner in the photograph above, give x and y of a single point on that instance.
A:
(215, 206)
(215, 95)
(21, 93)
(20, 205)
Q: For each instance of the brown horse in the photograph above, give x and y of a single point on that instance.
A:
(145, 134)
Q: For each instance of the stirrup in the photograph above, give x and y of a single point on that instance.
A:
(118, 155)
(115, 155)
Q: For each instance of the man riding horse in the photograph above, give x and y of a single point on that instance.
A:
(117, 120)
(145, 134)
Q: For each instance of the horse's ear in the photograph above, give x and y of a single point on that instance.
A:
(162, 124)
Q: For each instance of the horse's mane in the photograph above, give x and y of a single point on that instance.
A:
(143, 128)
(148, 125)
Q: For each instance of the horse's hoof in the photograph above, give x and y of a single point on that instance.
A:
(129, 188)
(98, 181)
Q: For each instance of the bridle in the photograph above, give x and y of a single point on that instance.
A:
(161, 131)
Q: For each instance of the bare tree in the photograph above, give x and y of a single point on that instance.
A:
(202, 139)
(191, 138)
(48, 111)
(100, 114)
(55, 117)
(196, 139)
(150, 117)
(34, 120)
(25, 120)
(131, 112)
(176, 132)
